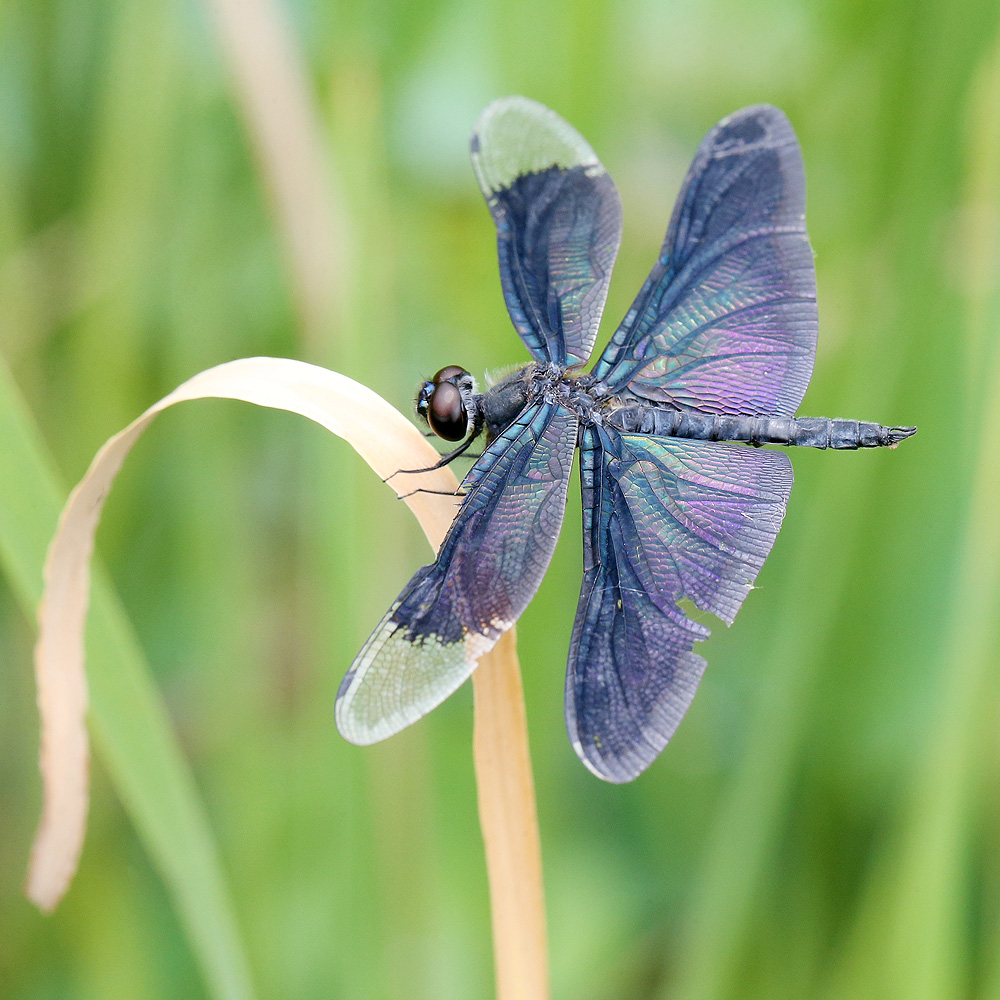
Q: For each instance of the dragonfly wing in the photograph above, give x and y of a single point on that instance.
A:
(558, 219)
(664, 519)
(726, 321)
(488, 569)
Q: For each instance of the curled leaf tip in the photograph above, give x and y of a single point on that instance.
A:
(380, 434)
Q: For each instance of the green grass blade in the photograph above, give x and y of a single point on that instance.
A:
(908, 939)
(127, 715)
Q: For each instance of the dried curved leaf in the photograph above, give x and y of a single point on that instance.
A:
(383, 437)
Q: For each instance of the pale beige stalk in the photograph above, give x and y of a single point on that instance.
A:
(285, 128)
(387, 441)
(509, 822)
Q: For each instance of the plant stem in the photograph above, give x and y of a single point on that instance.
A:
(509, 821)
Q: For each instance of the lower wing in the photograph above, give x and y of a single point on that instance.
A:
(488, 569)
(664, 519)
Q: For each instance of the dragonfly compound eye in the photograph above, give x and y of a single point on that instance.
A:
(446, 412)
(450, 373)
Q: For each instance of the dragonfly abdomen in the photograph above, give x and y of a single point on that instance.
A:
(807, 432)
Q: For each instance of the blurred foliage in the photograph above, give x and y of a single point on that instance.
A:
(827, 821)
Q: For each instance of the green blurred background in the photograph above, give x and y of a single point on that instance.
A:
(826, 822)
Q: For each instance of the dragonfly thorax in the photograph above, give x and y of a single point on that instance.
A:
(500, 405)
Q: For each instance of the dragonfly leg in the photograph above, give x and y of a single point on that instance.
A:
(442, 462)
(438, 493)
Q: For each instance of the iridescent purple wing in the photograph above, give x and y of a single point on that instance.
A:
(726, 321)
(664, 519)
(558, 220)
(487, 570)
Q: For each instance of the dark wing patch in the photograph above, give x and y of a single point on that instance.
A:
(488, 569)
(726, 321)
(664, 519)
(558, 220)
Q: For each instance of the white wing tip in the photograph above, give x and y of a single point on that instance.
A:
(515, 136)
(370, 708)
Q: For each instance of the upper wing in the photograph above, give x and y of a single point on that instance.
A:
(489, 567)
(559, 224)
(664, 519)
(726, 321)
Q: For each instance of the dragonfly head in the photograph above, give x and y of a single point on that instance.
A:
(447, 403)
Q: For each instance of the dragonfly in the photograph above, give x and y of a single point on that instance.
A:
(680, 502)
